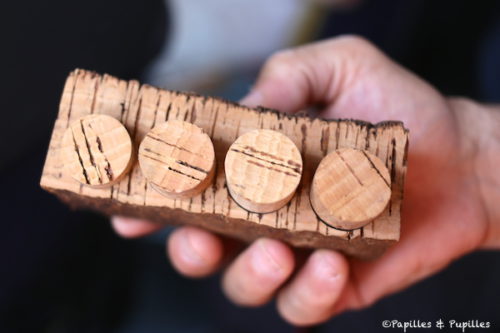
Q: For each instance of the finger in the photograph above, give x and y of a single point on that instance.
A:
(130, 227)
(284, 83)
(194, 252)
(310, 298)
(258, 272)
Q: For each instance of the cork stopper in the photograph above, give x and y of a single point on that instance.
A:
(177, 158)
(350, 188)
(96, 150)
(263, 169)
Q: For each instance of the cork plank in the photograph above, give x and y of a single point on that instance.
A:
(140, 107)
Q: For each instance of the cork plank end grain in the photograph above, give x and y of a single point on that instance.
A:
(141, 107)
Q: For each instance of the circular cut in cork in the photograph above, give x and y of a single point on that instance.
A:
(263, 169)
(178, 159)
(96, 150)
(350, 188)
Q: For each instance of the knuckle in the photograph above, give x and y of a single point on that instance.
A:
(354, 47)
(356, 41)
(280, 60)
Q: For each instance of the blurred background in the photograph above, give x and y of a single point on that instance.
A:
(66, 271)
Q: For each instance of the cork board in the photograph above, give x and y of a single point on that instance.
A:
(141, 107)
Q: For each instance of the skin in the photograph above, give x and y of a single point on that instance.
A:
(450, 194)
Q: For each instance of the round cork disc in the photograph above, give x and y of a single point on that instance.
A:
(263, 169)
(178, 159)
(350, 188)
(96, 150)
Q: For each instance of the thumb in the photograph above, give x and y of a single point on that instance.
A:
(313, 74)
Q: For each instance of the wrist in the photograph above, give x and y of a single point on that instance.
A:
(479, 127)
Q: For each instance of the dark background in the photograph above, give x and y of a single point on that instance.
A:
(64, 271)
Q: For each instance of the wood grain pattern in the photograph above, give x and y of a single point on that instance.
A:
(350, 188)
(140, 108)
(177, 158)
(263, 169)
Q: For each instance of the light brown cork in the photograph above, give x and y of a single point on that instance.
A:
(350, 188)
(96, 150)
(177, 158)
(263, 169)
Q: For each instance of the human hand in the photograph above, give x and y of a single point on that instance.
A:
(444, 210)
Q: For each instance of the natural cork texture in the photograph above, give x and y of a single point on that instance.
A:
(96, 150)
(140, 108)
(263, 169)
(350, 188)
(177, 158)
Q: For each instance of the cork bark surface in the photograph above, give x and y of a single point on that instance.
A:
(141, 107)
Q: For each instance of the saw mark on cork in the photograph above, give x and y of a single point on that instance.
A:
(156, 109)
(91, 156)
(77, 150)
(295, 169)
(107, 168)
(393, 160)
(192, 118)
(186, 164)
(212, 130)
(169, 107)
(170, 168)
(172, 145)
(375, 168)
(337, 136)
(94, 97)
(325, 138)
(253, 150)
(71, 100)
(350, 169)
(271, 168)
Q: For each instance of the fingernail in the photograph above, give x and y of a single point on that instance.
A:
(253, 99)
(123, 219)
(326, 267)
(190, 250)
(116, 219)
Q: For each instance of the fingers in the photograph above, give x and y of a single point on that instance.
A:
(310, 298)
(130, 227)
(421, 250)
(194, 252)
(293, 79)
(258, 272)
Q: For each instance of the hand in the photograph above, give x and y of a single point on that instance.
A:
(444, 211)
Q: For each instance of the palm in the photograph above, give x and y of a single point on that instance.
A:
(440, 216)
